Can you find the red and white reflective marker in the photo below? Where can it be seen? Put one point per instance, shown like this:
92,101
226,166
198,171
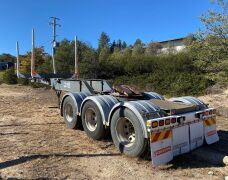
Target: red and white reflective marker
196,135
211,135
181,140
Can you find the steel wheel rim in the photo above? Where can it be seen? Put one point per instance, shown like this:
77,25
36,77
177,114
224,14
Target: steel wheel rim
91,119
69,112
125,131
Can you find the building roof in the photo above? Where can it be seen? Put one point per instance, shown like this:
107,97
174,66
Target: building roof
172,40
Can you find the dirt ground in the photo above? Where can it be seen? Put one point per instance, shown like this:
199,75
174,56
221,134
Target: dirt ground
35,144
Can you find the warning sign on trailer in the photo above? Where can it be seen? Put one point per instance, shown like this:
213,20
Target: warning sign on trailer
161,147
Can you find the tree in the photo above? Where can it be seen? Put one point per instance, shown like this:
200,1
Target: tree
138,48
210,49
40,55
124,45
138,41
65,55
104,54
153,48
128,51
112,47
103,41
7,58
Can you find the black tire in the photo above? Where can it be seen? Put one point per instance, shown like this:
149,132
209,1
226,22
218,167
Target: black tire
92,121
70,113
138,146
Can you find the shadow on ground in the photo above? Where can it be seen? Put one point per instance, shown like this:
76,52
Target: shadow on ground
206,156
24,159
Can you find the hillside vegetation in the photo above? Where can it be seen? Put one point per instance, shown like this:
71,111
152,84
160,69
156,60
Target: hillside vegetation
203,63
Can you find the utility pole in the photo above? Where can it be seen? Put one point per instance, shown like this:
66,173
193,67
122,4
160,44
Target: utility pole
33,56
17,65
76,71
54,24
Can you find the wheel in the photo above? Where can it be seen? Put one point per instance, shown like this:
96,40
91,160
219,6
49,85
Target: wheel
70,113
92,121
127,133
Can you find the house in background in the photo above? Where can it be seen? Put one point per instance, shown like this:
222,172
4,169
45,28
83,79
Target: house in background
6,65
172,45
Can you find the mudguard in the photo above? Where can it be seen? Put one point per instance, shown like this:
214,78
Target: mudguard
161,147
210,133
153,95
190,100
105,103
196,134
77,98
181,143
143,109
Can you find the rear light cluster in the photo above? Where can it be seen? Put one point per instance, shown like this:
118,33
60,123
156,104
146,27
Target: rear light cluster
206,113
165,121
209,112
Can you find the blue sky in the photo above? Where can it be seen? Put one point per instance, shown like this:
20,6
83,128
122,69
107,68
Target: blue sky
127,20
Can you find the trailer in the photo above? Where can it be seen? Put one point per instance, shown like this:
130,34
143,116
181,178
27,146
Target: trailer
138,121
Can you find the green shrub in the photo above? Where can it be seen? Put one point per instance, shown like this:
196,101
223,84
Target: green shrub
177,84
23,81
1,78
9,76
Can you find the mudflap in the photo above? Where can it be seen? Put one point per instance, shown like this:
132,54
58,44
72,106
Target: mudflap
210,132
161,147
196,135
181,140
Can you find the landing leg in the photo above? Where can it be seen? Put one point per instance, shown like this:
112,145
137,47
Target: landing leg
58,93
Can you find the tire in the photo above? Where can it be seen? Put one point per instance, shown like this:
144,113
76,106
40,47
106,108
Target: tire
92,121
128,141
70,113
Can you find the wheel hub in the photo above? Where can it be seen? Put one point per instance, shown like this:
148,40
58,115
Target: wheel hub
125,131
91,119
69,112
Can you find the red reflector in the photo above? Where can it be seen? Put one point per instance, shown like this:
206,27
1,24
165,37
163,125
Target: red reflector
161,123
214,111
210,112
167,121
173,120
154,124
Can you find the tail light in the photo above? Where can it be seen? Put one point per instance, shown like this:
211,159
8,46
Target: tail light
154,124
167,121
206,113
161,123
211,112
173,120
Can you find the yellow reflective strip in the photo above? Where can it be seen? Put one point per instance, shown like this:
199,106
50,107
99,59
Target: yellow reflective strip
154,136
213,120
161,136
206,123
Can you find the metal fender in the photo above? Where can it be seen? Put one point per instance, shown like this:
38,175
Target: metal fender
77,98
143,110
104,102
189,100
210,133
153,95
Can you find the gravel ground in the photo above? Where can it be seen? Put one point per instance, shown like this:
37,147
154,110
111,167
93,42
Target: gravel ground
35,144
